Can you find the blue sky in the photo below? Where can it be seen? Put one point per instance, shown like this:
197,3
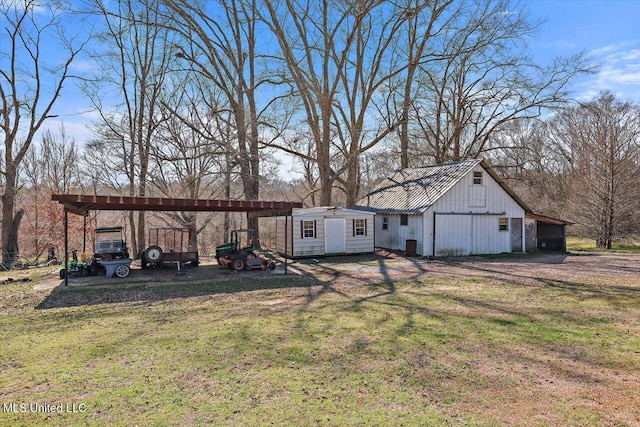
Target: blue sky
608,30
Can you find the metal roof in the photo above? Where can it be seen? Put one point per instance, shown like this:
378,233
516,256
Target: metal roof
81,204
322,209
414,190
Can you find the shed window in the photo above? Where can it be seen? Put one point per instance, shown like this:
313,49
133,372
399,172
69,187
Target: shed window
404,219
359,227
308,229
385,222
477,178
503,224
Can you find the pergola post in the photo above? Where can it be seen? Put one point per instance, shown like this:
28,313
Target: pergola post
66,247
286,239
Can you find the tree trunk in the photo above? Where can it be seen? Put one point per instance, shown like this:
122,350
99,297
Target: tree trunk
9,233
12,244
353,183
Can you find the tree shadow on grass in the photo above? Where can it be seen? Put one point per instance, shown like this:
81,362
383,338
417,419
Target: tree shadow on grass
74,296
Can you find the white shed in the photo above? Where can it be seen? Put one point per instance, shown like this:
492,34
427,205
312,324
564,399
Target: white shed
325,231
458,208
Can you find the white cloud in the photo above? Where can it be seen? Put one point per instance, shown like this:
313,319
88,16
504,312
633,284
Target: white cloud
619,72
83,66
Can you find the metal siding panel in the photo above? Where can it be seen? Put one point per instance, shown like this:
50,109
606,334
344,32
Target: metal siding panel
387,238
453,235
280,235
427,233
308,246
488,239
360,244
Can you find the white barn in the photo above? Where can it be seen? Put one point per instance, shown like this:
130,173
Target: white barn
325,231
451,209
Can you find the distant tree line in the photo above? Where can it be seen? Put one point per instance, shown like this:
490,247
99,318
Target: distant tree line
206,98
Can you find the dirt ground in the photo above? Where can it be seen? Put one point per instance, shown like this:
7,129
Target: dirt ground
543,377
385,266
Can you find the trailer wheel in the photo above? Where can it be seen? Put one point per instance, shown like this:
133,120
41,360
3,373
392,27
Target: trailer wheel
63,273
153,254
239,264
122,271
272,266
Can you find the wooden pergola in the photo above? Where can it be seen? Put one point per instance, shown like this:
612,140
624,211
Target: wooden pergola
82,204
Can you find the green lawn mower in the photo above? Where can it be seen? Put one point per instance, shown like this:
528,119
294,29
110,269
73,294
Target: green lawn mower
227,250
75,266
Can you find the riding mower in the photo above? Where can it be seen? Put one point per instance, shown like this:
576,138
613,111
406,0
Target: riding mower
75,266
247,261
233,247
237,258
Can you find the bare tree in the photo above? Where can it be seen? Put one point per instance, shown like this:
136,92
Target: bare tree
30,87
134,62
422,25
599,142
307,33
375,62
340,58
222,48
50,167
187,159
485,79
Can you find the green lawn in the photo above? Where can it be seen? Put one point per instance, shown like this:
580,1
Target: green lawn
263,350
584,244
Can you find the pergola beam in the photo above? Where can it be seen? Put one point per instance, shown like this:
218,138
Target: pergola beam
82,204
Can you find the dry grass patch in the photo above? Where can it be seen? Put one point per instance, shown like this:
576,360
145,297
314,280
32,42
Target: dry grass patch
470,342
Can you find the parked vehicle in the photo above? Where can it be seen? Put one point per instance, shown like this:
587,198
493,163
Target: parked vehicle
75,266
235,245
248,261
237,257
108,244
169,246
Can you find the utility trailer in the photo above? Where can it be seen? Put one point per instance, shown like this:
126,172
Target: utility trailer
169,246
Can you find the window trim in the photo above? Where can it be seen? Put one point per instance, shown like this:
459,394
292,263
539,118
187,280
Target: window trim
404,220
477,177
385,222
503,226
305,226
360,230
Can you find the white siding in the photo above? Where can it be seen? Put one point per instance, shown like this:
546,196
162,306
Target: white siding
467,234
453,235
360,244
309,247
395,236
280,235
479,227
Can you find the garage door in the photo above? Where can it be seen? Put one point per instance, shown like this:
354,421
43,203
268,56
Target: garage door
467,234
453,235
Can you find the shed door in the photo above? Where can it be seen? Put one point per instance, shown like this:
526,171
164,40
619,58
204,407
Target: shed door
454,235
516,234
334,236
